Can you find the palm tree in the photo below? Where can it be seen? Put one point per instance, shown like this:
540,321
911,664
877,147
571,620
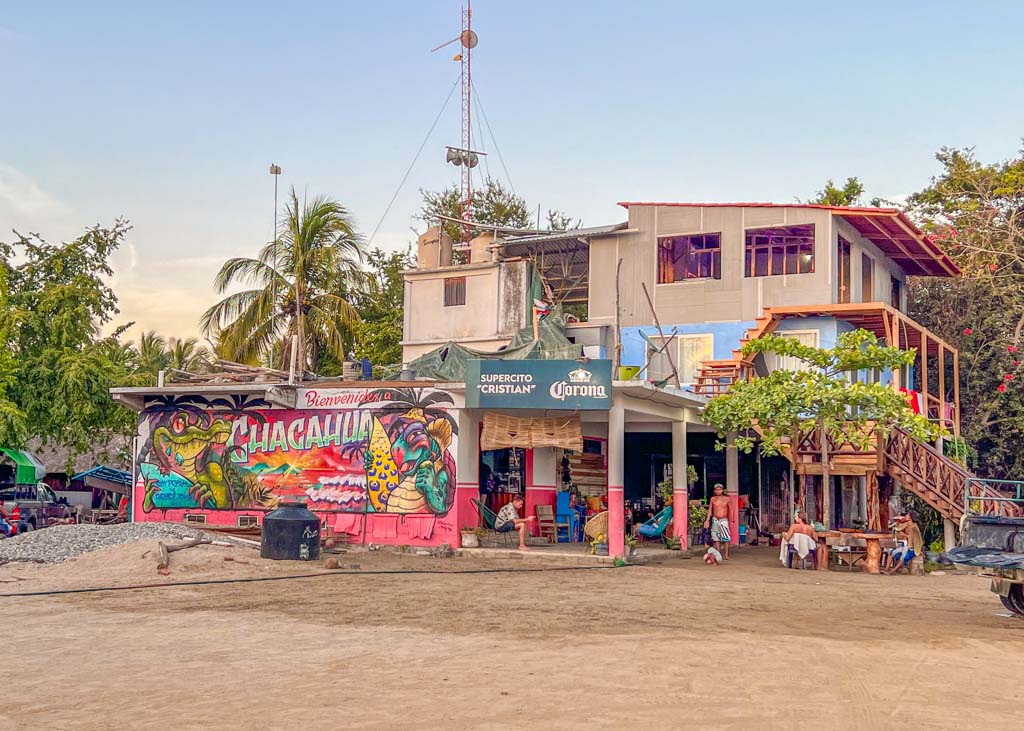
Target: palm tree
152,354
186,354
315,260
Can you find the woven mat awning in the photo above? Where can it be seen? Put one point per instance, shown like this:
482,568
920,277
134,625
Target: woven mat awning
502,431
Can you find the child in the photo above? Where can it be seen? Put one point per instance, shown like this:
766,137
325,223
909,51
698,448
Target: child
713,557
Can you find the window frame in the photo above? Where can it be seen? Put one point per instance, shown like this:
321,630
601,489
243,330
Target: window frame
844,278
777,251
690,254
453,291
781,361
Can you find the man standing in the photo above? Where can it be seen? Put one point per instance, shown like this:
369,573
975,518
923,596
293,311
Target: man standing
718,520
508,520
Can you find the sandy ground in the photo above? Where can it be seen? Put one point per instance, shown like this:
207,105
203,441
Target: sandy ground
676,645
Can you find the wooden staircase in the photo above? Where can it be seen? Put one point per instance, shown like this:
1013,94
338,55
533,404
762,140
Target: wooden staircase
717,376
940,481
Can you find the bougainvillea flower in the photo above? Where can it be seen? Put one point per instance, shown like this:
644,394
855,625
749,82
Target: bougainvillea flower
1008,377
1011,348
1016,364
992,267
1002,388
967,331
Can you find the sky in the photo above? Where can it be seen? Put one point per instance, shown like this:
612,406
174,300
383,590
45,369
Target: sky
169,114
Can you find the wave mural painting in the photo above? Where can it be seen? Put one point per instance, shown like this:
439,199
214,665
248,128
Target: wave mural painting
393,453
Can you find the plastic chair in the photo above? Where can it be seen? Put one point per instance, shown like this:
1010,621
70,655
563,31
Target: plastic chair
567,519
654,529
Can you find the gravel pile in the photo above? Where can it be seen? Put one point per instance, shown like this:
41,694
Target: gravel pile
61,542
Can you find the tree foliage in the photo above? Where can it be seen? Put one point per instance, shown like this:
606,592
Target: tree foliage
785,405
832,195
55,372
378,334
302,285
975,212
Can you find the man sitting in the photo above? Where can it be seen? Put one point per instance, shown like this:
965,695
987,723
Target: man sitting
909,535
508,520
801,536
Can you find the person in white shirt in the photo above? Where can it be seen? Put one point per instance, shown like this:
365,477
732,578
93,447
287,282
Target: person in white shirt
508,520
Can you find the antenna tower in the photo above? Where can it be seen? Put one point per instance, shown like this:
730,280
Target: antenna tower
468,38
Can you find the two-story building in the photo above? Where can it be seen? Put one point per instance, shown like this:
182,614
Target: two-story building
675,291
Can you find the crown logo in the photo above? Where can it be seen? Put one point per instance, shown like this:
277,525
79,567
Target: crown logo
579,376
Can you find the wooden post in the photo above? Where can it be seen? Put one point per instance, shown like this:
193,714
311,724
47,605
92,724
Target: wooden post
956,392
826,477
874,512
942,381
924,372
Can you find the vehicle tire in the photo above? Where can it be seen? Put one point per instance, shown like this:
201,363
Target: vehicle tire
25,528
1016,599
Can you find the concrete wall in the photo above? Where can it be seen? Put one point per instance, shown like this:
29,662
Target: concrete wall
734,296
494,309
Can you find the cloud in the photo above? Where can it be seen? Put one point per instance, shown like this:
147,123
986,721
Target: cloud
24,201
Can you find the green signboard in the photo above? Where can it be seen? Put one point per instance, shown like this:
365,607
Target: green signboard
569,385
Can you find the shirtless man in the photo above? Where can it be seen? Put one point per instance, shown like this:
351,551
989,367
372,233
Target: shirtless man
718,520
800,525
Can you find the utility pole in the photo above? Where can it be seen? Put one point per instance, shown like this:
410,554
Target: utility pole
275,170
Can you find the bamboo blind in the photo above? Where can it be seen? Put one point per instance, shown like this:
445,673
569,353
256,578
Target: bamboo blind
502,431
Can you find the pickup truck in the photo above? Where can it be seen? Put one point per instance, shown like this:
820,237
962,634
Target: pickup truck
993,546
28,507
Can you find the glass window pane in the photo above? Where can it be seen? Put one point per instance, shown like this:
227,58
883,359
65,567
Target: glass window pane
761,262
778,259
806,258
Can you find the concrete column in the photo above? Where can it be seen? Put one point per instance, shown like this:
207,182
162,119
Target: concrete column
732,485
541,482
616,481
948,533
467,471
680,491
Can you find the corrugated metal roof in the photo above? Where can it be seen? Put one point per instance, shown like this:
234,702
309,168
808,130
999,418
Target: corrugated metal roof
109,474
570,235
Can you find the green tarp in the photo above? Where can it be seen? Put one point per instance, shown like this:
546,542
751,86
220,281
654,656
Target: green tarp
28,469
448,362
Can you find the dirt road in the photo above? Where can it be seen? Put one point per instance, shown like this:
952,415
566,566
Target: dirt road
679,645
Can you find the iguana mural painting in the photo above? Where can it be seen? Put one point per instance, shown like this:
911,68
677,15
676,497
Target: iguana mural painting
393,454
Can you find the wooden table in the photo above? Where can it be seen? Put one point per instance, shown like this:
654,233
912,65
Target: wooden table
822,552
873,559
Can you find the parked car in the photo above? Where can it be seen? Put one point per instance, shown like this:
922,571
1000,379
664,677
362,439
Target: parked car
993,546
28,507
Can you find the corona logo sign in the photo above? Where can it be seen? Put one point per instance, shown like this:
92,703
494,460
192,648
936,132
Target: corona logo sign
578,386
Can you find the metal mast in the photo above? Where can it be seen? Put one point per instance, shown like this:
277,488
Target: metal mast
468,41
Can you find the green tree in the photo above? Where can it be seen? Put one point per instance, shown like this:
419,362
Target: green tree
302,287
58,370
12,418
831,195
975,212
378,334
788,404
493,204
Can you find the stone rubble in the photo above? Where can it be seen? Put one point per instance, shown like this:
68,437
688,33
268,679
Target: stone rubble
58,543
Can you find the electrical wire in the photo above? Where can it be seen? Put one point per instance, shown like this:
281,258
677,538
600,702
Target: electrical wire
252,580
494,140
413,163
483,147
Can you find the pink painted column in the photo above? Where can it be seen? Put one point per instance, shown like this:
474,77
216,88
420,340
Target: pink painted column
467,472
680,491
732,487
616,482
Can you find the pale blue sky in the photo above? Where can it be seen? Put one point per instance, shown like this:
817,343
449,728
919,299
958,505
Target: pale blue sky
169,114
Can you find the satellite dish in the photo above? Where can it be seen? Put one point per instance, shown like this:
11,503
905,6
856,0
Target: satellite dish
469,38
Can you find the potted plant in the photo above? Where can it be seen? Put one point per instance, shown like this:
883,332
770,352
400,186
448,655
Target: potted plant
470,537
665,487
698,514
631,544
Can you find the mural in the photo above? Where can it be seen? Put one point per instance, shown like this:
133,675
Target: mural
392,452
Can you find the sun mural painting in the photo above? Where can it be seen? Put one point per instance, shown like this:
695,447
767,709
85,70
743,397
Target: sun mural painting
392,453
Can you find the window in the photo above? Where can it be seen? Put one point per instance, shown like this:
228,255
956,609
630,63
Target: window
787,362
688,353
844,270
867,278
783,250
689,257
247,521
897,293
195,518
454,291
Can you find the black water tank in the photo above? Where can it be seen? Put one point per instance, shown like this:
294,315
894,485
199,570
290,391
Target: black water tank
291,533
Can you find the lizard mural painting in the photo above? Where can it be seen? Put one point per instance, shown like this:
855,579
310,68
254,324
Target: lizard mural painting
391,453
